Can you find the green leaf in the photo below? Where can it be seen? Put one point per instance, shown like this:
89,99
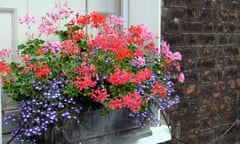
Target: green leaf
70,91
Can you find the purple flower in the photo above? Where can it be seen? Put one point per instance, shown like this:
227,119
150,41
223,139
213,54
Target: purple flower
43,111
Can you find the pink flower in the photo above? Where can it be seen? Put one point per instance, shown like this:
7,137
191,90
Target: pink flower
116,103
55,5
116,20
177,56
169,54
99,95
133,101
181,77
147,34
177,66
27,57
53,16
86,76
119,77
166,51
70,48
142,75
139,61
174,56
164,47
84,82
5,53
66,3
27,19
53,46
47,27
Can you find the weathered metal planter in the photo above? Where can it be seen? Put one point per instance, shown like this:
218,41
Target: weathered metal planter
94,128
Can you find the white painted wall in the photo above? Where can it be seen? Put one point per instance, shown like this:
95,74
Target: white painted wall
105,6
6,29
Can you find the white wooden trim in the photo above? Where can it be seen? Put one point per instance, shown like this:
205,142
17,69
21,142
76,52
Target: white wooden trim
160,24
125,11
14,32
86,6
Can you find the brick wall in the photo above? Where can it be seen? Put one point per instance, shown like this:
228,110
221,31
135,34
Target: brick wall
207,32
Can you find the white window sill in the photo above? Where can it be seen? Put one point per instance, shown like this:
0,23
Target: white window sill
159,135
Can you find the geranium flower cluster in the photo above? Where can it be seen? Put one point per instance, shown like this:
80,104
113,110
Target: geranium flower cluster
112,68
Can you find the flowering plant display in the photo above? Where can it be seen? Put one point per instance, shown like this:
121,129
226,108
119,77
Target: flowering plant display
95,64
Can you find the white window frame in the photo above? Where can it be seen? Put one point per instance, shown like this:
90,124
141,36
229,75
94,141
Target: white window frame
13,12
